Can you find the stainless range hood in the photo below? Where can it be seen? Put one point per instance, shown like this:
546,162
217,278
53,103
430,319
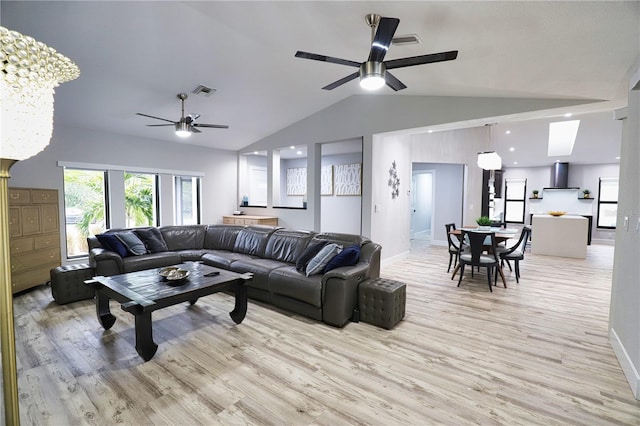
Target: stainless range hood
560,175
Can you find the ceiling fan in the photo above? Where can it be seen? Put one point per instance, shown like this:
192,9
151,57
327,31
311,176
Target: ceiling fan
186,125
373,72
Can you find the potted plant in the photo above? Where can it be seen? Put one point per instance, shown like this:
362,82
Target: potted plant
535,193
586,193
484,223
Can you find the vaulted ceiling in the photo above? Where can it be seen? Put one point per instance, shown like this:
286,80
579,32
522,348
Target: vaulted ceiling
136,56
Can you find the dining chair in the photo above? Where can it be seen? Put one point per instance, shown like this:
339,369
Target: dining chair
476,255
515,252
454,245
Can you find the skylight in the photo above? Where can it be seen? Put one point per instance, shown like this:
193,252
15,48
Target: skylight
562,136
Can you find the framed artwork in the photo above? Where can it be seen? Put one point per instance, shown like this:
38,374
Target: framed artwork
326,180
348,179
297,181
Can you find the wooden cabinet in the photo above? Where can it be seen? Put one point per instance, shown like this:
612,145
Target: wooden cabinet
250,220
34,236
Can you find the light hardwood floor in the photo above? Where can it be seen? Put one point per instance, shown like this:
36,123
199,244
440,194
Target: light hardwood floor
536,353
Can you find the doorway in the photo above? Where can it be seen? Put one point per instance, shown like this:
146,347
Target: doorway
422,189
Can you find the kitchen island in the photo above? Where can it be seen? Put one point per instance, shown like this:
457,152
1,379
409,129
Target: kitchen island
564,236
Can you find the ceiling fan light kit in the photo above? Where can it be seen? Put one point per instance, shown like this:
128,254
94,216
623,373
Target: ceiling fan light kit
373,72
372,75
186,125
183,129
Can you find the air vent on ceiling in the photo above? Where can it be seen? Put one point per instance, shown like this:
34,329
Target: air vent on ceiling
406,39
204,90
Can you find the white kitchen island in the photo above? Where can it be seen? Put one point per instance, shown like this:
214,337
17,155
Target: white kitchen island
564,236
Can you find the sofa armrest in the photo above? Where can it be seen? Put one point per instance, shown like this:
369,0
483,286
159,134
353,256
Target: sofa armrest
340,292
105,262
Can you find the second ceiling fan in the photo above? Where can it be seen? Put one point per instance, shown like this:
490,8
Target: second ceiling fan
373,72
186,124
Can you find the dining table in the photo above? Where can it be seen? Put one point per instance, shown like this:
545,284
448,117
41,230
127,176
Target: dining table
502,235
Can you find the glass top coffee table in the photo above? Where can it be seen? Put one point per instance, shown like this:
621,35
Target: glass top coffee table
143,292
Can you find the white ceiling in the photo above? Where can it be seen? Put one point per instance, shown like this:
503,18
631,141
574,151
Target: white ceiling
136,56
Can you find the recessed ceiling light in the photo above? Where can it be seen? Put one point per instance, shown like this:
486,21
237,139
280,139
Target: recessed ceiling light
292,147
299,152
617,158
508,132
512,149
256,152
429,131
515,162
568,115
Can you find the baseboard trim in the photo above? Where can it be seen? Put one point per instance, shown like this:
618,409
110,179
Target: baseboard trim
393,259
630,371
439,243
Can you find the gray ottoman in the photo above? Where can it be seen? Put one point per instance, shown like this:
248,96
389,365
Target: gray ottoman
382,302
67,283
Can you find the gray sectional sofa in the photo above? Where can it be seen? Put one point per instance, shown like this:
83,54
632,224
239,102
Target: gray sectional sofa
270,253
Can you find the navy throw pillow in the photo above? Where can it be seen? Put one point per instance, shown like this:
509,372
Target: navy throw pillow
111,242
134,244
152,239
347,257
309,253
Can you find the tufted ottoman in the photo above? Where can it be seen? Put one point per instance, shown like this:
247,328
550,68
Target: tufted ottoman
67,283
381,302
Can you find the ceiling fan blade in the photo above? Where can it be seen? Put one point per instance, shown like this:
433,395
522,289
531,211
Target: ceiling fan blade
157,118
342,81
160,125
422,59
194,130
322,58
382,40
393,82
212,126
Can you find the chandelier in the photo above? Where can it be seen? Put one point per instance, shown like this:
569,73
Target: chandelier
29,72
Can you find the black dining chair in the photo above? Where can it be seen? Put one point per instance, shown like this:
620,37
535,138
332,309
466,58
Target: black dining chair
476,256
515,252
454,245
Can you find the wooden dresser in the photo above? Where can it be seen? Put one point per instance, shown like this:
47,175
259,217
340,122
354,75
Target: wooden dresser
34,236
245,219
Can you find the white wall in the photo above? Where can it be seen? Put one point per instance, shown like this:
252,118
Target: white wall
624,314
68,144
391,217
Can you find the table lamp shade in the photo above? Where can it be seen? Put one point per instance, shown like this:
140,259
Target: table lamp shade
29,72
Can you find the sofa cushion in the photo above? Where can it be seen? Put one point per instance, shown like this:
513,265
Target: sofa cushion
260,269
183,237
132,242
347,257
252,241
309,253
150,261
152,239
320,260
190,255
291,283
344,240
221,237
223,259
287,246
111,242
